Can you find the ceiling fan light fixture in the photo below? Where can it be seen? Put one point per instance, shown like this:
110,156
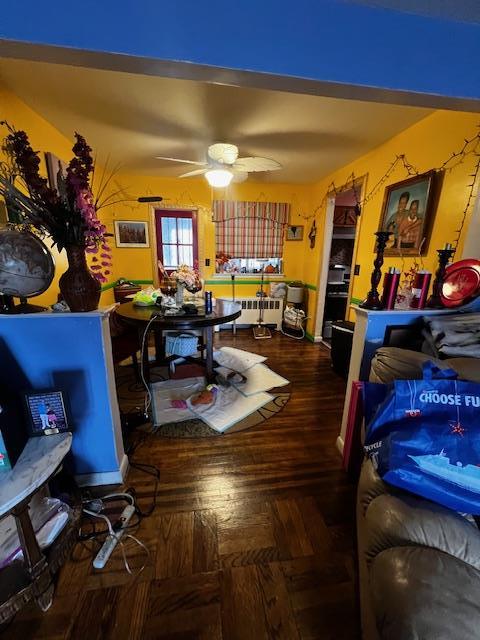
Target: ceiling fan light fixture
219,177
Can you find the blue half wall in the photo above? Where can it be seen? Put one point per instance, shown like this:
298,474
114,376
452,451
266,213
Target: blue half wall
70,352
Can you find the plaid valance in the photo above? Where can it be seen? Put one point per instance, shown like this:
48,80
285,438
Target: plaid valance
250,229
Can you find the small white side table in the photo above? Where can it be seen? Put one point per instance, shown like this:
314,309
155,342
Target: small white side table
21,582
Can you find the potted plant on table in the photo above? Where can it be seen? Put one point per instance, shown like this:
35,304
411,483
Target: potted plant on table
67,214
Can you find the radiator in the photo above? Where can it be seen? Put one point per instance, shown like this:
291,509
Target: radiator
272,310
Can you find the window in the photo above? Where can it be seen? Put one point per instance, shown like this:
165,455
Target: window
249,265
177,240
249,235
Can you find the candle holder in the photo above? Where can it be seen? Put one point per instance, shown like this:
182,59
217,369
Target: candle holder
435,300
372,301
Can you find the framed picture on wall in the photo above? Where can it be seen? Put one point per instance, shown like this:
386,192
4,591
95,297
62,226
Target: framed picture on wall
408,211
295,232
131,234
56,170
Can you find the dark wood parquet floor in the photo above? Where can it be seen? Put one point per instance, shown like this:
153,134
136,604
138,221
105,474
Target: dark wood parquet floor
252,538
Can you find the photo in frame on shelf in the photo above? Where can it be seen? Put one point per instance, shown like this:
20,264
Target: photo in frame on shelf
408,211
131,234
46,413
295,232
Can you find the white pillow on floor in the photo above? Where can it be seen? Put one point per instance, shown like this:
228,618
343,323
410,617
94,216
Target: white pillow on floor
237,359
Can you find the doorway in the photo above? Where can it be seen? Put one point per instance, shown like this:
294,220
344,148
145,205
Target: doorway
337,270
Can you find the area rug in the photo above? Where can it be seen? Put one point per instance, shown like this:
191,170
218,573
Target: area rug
131,395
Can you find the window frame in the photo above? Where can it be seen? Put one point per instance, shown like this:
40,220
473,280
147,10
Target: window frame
189,214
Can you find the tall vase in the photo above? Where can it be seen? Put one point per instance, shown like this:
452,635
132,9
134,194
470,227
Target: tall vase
180,294
79,288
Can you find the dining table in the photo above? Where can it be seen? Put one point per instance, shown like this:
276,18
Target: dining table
160,319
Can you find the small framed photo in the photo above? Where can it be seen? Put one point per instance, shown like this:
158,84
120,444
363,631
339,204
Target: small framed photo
131,234
46,413
295,232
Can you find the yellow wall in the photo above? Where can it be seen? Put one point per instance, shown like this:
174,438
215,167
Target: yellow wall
43,137
426,145
137,264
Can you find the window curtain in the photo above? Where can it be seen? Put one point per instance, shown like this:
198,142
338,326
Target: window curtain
250,229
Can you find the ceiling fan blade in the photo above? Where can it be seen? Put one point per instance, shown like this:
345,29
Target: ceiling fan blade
239,176
200,164
195,172
256,163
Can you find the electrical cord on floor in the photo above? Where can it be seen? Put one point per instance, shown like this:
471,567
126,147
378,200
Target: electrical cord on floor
92,507
112,534
129,494
148,397
300,328
151,470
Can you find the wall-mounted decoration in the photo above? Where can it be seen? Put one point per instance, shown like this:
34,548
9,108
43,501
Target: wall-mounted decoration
408,211
56,170
295,232
313,234
131,234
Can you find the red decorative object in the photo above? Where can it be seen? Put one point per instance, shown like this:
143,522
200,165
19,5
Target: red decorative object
352,446
391,281
461,283
420,288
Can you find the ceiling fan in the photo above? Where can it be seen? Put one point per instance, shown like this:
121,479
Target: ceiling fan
223,165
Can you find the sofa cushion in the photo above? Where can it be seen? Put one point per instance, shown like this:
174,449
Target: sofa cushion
393,363
393,521
423,594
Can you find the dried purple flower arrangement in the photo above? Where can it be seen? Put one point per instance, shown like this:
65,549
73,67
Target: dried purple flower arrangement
68,215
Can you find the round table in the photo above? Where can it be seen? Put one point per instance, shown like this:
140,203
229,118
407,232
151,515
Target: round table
140,316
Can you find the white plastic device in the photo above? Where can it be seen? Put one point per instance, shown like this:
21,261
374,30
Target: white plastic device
111,542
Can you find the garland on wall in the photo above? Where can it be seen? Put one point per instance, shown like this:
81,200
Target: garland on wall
183,201
470,147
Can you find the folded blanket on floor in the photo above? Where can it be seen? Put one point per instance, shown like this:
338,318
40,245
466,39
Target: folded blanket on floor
230,407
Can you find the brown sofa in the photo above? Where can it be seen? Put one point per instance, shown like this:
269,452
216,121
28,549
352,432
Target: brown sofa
419,563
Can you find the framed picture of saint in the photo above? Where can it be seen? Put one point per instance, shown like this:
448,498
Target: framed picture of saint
408,211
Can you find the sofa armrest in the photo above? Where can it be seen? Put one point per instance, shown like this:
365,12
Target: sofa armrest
423,594
394,521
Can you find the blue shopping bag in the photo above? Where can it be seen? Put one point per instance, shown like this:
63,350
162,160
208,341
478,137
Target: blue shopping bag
424,436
